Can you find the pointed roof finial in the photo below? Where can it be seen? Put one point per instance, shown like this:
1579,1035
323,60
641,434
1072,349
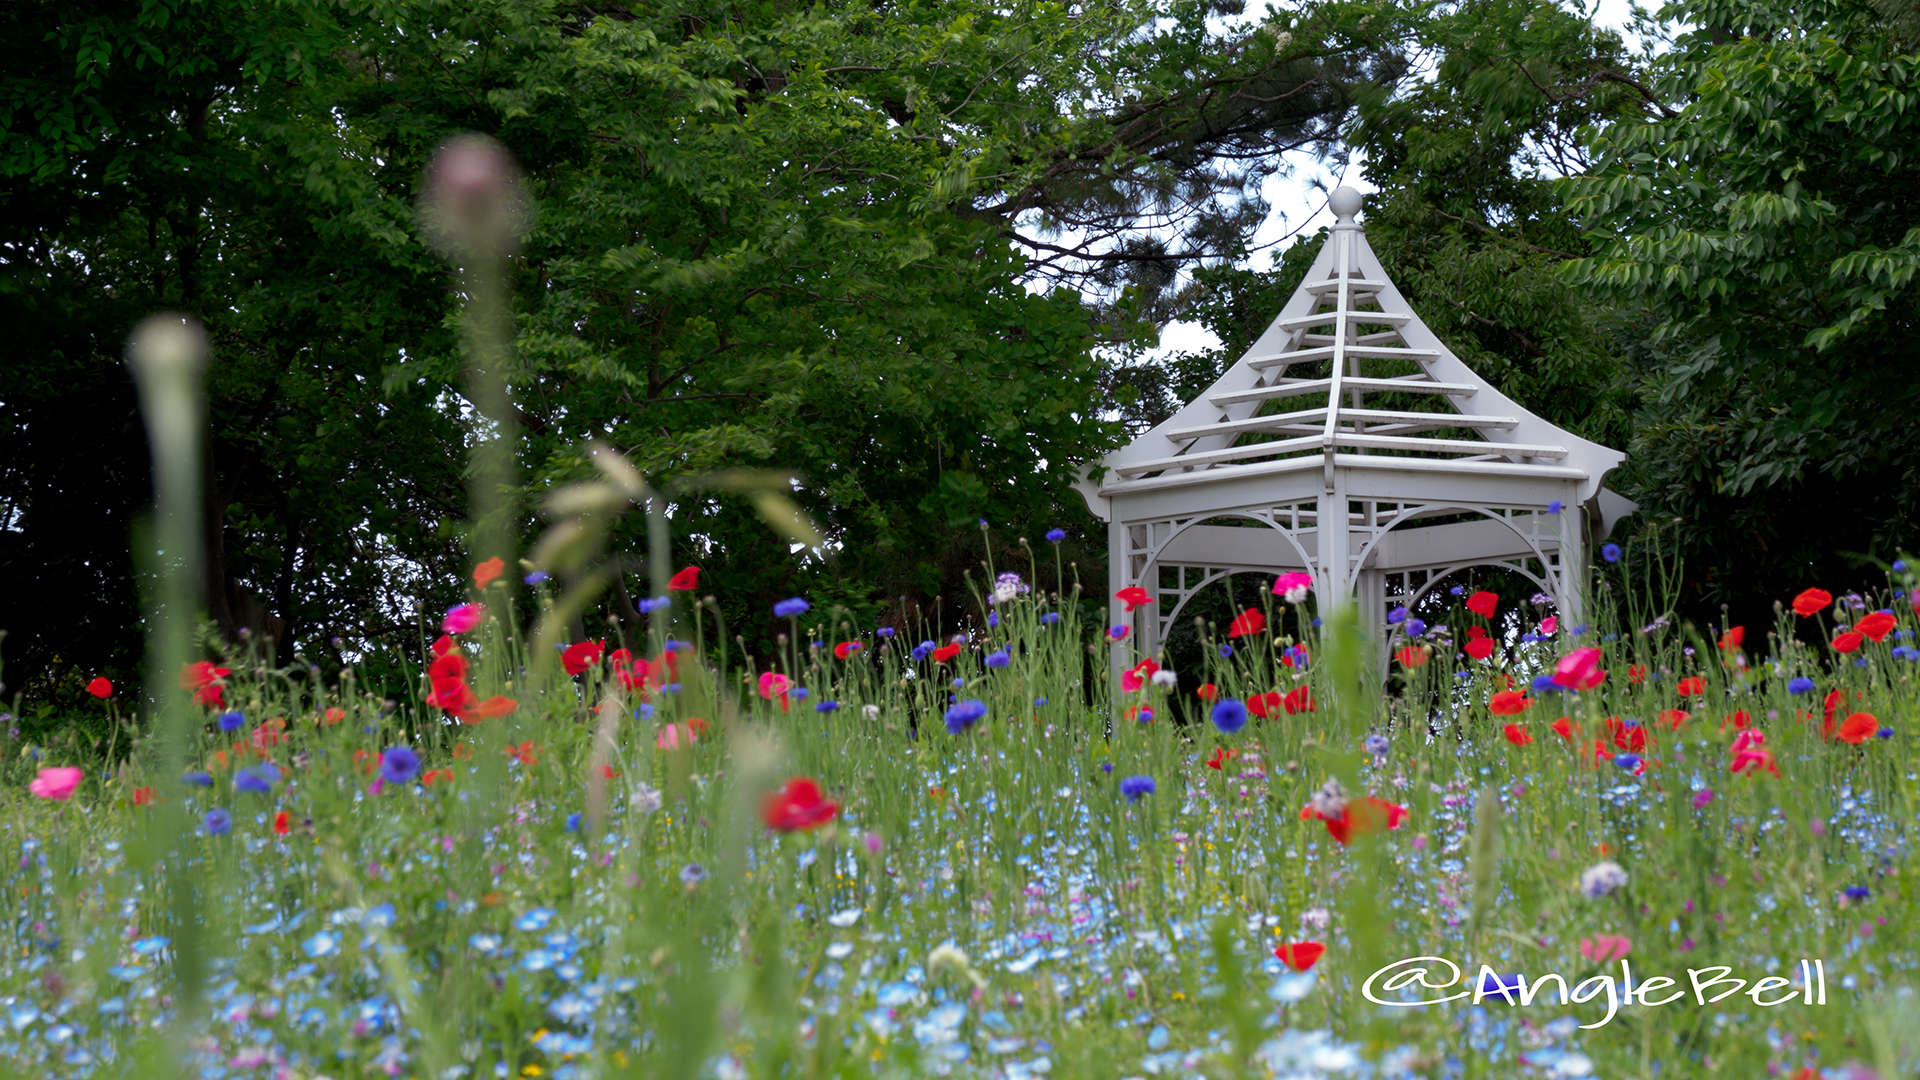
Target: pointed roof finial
1345,204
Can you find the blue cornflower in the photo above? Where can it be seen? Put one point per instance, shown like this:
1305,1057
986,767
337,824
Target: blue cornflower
1106,767
885,631
1054,536
1116,632
1858,892
1885,733
1800,684
1050,618
1316,622
957,683
232,720
787,609
1144,716
1457,590
573,822
1397,615
921,650
798,693
993,618
648,607
1226,652
1544,684
1899,566
998,658
826,707
1415,628
249,780
1136,787
198,779
1375,745
399,764
1553,507
1628,762
1039,701
1580,631
965,715
535,578
218,822
693,873
1610,552
1904,652
644,712
1229,715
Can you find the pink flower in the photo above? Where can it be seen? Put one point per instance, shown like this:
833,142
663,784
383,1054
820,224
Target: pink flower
1293,587
1579,669
1601,948
55,783
463,618
772,684
1549,624
671,736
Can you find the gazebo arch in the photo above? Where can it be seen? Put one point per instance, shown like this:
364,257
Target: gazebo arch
1378,460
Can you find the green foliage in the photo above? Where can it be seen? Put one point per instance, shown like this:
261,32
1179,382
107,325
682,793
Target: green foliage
1766,223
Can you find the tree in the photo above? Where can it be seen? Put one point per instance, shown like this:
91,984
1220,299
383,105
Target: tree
1766,221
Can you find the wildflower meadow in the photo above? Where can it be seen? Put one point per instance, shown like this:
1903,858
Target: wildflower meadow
964,850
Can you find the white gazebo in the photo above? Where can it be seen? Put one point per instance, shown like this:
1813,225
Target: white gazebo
1349,443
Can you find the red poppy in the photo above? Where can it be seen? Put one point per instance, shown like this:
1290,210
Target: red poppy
1503,680
1483,604
434,776
1834,698
487,571
1636,673
490,708
333,715
1811,601
1207,692
282,825
1359,818
686,580
1847,642
1563,727
1133,596
946,652
1740,719
142,796
526,753
1480,648
1633,739
846,649
1875,626
1691,686
1673,718
798,805
1475,633
1859,728
1264,705
450,665
1221,755
1517,734
1297,700
453,695
1250,621
461,751
609,772
1508,703
581,655
1300,955
270,734
1413,657
207,683
100,688
1294,657
1733,638
628,670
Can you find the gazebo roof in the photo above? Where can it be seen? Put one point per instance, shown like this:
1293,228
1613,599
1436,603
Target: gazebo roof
1348,377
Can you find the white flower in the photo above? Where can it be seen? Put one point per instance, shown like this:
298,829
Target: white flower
872,712
1315,919
1007,587
948,957
1165,678
1602,878
645,798
1330,800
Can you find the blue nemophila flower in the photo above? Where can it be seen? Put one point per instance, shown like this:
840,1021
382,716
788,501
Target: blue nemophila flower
1397,615
535,578
1054,536
1553,507
232,720
1800,684
998,658
1226,652
198,779
1505,987
1136,787
252,780
1610,552
1050,618
218,822
921,650
965,715
1229,715
788,609
399,764
1376,745
885,631
826,706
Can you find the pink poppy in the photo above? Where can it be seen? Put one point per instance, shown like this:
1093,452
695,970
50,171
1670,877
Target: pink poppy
463,618
56,783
